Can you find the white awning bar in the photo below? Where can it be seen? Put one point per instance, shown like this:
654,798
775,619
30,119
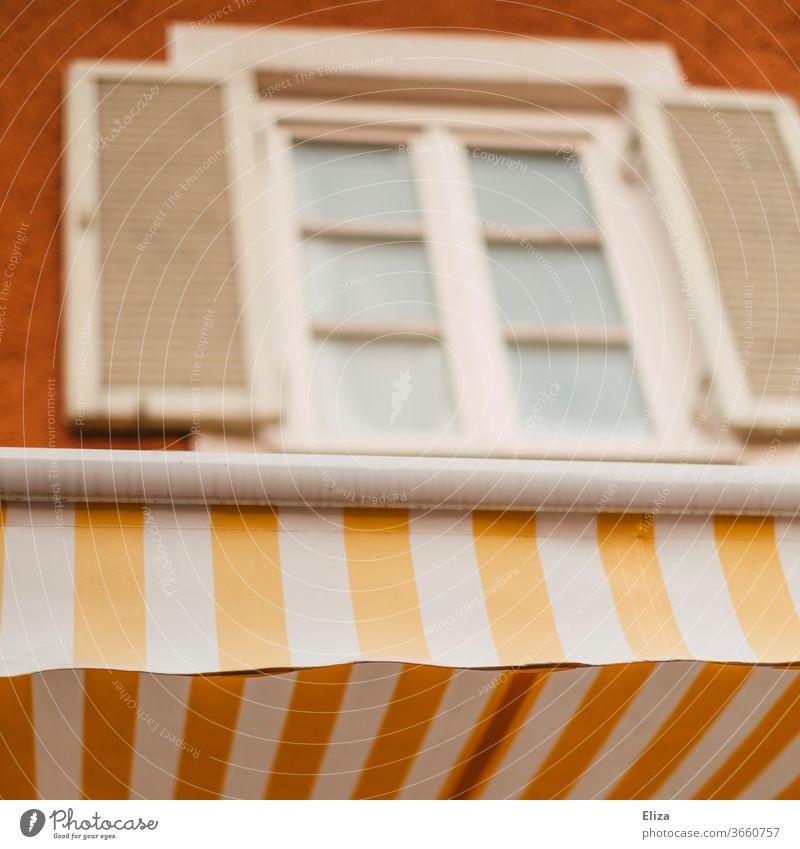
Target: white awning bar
40,474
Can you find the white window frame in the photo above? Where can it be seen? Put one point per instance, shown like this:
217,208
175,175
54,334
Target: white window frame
307,53
601,141
553,68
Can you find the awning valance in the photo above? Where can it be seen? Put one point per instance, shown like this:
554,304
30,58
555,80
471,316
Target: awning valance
381,730
190,589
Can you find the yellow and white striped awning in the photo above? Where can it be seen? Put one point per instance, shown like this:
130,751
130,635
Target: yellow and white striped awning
184,589
160,648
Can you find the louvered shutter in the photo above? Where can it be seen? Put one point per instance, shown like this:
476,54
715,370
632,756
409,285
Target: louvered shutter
159,329
723,168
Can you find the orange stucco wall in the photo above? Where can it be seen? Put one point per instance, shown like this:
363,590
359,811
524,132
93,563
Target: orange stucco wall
720,42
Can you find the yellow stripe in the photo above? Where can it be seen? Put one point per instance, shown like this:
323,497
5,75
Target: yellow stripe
505,713
777,728
601,709
17,757
382,583
316,699
251,625
211,717
763,603
415,701
109,586
514,589
701,704
628,552
110,701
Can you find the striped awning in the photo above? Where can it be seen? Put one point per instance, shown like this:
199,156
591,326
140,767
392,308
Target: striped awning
184,589
387,730
216,651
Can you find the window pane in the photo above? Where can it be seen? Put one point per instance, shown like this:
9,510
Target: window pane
553,285
586,391
385,384
349,181
367,281
529,189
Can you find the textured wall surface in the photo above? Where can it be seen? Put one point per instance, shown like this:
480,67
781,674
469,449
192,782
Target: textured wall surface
719,42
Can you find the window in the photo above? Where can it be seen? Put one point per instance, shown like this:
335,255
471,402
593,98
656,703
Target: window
453,284
355,274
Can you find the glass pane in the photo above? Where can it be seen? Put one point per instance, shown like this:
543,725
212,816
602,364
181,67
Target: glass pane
367,281
553,285
382,385
350,181
586,391
529,189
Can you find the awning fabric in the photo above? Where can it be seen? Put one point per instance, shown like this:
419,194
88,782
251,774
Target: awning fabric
179,589
201,652
639,730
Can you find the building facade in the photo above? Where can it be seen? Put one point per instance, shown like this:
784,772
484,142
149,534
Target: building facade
469,332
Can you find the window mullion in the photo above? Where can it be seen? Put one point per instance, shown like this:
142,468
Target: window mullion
472,333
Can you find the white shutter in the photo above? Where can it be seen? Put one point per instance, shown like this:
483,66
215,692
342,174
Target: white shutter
724,169
162,272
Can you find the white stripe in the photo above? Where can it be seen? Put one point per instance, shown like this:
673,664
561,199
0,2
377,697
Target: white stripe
697,590
754,698
58,719
552,710
368,694
450,592
38,588
581,600
316,588
642,720
265,702
787,537
460,710
160,718
778,775
179,587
